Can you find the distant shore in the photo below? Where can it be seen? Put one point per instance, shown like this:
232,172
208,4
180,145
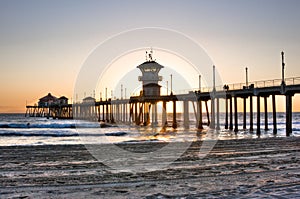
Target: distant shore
240,168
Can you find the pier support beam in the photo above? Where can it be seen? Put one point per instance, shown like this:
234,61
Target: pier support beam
274,115
199,112
244,114
116,110
231,116
146,114
174,124
186,114
288,115
112,118
136,117
103,113
124,112
218,114
251,113
107,113
266,112
164,114
213,111
258,116
99,114
154,114
226,113
207,114
236,129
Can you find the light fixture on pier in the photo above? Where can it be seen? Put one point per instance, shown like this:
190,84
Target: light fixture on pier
283,66
246,76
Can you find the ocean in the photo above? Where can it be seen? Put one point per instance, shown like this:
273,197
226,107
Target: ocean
16,129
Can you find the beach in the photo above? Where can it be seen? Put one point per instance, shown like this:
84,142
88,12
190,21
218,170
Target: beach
240,168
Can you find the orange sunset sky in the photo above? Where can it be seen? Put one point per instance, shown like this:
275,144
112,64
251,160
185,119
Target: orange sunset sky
43,44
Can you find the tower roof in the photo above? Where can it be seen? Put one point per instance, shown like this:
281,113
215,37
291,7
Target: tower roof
150,64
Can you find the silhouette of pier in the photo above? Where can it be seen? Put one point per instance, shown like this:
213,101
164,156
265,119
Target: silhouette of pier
143,109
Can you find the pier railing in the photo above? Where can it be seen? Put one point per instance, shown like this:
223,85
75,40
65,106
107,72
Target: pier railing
238,86
266,83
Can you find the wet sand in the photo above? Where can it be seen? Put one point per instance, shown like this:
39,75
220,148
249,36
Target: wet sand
249,168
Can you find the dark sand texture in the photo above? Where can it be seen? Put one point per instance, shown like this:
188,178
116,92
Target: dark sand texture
249,168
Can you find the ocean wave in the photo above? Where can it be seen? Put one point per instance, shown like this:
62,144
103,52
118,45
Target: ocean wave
31,134
58,134
116,134
52,125
29,125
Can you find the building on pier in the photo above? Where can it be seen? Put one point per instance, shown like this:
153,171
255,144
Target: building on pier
50,100
89,100
47,100
150,77
62,100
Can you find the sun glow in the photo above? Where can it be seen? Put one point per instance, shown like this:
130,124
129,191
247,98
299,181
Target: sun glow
123,71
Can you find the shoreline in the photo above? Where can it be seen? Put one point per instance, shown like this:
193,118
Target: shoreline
240,168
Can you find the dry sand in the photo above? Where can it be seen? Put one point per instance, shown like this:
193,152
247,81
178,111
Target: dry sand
249,168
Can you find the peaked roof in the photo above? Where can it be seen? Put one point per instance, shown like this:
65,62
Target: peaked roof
63,98
48,97
88,99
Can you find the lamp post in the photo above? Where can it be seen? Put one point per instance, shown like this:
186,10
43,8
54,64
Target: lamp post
200,83
214,78
121,91
283,65
246,76
167,87
171,84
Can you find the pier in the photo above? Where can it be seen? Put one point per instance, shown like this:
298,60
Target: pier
143,109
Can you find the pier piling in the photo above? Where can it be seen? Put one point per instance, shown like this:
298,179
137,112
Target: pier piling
218,114
288,114
174,123
199,112
266,112
186,114
274,115
244,114
258,116
226,113
236,129
164,114
251,112
231,116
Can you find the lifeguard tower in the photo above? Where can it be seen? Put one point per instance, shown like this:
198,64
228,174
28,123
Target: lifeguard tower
150,78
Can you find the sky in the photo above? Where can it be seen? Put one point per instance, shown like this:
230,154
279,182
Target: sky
44,44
